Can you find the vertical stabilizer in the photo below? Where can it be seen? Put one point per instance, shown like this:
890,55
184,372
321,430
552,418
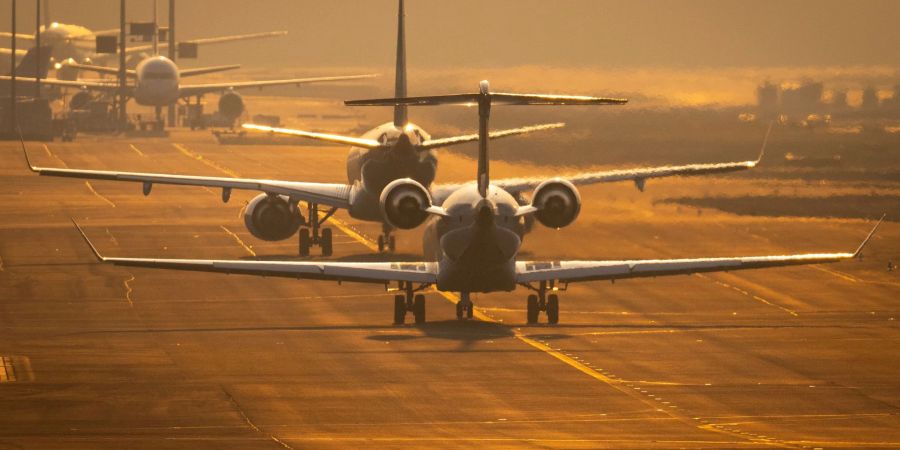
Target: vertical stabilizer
155,30
45,13
400,111
33,67
484,116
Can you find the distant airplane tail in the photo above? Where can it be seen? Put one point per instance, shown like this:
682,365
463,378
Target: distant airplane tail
401,116
30,67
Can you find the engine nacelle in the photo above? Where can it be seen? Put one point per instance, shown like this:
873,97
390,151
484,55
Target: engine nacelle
272,217
558,203
403,203
231,105
80,100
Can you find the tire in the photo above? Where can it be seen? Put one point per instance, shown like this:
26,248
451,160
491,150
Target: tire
304,242
325,242
419,308
552,309
392,244
532,309
381,244
399,309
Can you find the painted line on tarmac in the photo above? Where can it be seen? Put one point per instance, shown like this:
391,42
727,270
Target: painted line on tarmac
748,294
250,422
841,275
193,155
129,290
100,196
238,239
137,150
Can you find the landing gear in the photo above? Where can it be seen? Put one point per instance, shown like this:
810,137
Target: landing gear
315,235
464,308
542,302
386,241
410,301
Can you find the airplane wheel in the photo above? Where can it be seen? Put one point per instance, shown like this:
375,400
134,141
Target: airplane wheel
392,244
399,309
552,309
325,243
419,308
305,242
380,243
532,309
459,310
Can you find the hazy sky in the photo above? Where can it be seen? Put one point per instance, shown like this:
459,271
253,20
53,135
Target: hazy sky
502,33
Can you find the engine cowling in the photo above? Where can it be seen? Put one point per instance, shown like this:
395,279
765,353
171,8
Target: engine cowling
403,203
231,105
558,203
272,217
80,100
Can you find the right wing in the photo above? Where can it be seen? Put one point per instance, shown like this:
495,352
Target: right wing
331,194
200,89
574,271
205,70
377,272
8,51
212,40
78,84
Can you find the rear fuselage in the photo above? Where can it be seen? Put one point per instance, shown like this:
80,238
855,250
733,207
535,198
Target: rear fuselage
372,169
477,243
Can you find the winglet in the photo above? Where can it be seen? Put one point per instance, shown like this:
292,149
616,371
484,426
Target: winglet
866,241
25,151
89,243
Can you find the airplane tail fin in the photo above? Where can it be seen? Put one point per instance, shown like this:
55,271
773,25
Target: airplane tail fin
30,67
401,116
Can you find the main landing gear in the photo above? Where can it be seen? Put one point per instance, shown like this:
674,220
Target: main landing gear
386,241
464,307
542,302
314,234
410,301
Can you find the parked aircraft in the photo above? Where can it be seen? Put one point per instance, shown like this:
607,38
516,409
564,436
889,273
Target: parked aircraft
478,243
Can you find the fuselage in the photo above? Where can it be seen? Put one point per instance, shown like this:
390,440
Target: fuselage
476,244
370,170
68,41
156,82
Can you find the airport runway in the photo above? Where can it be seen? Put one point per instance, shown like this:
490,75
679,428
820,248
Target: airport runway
98,356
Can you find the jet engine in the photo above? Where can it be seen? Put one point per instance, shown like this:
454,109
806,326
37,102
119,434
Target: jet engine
272,217
403,203
558,203
80,100
231,105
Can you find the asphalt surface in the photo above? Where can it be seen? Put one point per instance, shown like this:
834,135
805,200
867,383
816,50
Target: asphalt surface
97,356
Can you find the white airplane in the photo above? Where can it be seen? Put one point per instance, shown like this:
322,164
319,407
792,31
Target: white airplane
478,243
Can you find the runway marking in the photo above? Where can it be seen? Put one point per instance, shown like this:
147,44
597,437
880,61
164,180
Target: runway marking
101,197
137,150
238,240
129,290
184,150
748,294
57,158
112,238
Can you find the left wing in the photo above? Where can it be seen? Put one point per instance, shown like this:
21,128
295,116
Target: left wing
8,51
380,272
573,271
446,142
78,84
200,89
194,71
212,40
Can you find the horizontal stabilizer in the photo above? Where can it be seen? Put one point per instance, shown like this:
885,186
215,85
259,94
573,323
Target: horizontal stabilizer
495,99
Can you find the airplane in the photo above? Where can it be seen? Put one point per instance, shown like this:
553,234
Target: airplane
478,241
391,151
157,81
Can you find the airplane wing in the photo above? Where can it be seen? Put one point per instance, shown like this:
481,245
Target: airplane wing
78,84
205,70
331,194
212,40
200,89
100,69
638,175
574,271
19,36
377,272
8,51
334,138
446,142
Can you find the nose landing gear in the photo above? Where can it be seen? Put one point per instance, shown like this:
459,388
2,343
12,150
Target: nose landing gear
464,307
410,301
386,241
542,302
315,234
